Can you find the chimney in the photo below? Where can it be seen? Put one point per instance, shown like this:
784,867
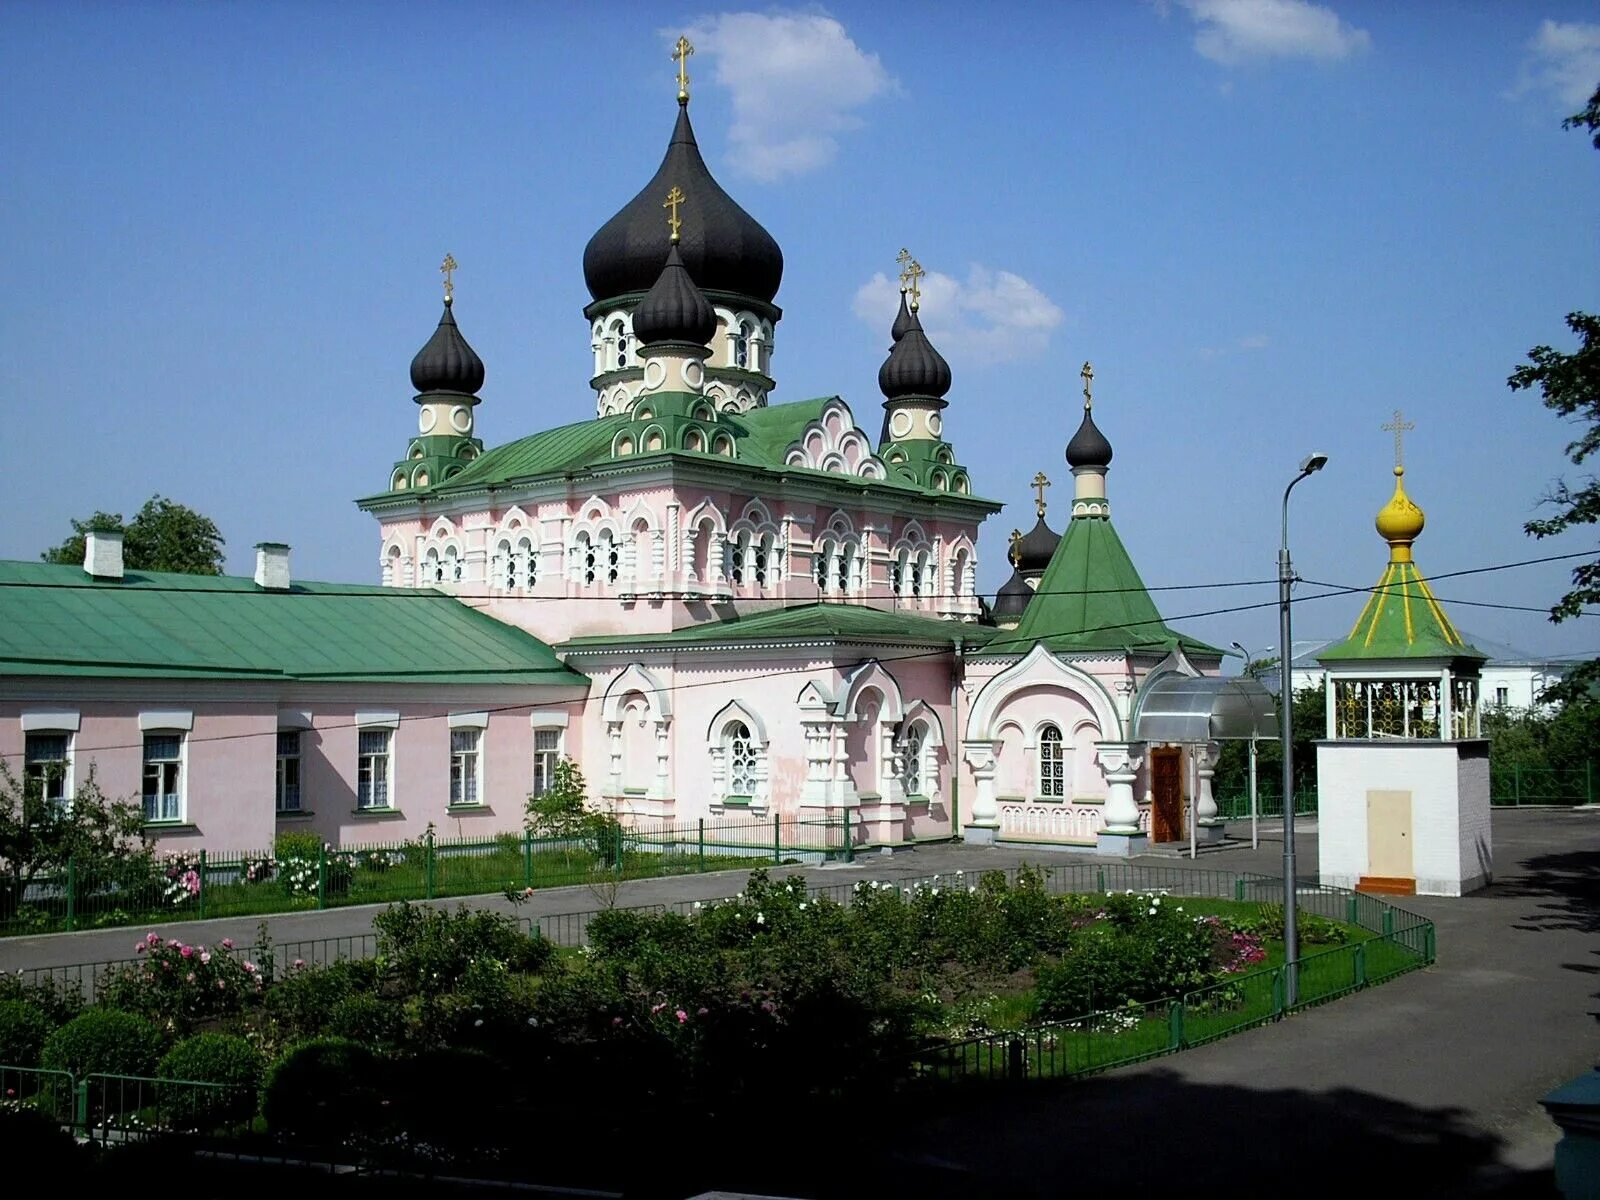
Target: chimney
272,566
102,553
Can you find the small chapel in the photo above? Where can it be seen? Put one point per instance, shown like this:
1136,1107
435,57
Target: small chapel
718,601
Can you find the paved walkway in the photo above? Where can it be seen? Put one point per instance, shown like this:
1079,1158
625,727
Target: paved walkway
1430,1081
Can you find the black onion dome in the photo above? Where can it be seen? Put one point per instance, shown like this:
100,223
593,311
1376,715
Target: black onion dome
447,363
722,245
674,310
902,320
1037,547
914,367
1011,599
1088,447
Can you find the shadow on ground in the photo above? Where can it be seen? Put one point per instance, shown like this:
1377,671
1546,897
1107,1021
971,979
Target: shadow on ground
1148,1132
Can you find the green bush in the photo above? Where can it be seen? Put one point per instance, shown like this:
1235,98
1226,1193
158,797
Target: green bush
23,1029
59,1000
220,1058
365,1018
1143,950
104,1041
325,1088
428,950
303,1001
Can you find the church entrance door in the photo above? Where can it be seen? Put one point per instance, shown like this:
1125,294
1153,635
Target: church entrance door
1166,794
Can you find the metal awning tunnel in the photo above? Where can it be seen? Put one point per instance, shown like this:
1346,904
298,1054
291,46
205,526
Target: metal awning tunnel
1196,710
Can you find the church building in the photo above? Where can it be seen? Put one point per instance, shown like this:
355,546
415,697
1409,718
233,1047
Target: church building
720,603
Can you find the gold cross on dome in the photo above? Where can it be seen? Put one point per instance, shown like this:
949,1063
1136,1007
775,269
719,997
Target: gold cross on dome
1016,548
680,55
1087,375
1039,485
1399,427
448,268
911,274
674,198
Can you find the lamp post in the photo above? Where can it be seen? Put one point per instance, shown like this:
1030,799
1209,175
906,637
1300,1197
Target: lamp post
1291,932
1255,832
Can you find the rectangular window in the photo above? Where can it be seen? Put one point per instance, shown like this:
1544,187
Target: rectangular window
1502,696
372,772
464,766
45,766
288,770
163,777
546,753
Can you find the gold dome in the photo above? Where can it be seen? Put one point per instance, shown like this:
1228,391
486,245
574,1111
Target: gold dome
1400,521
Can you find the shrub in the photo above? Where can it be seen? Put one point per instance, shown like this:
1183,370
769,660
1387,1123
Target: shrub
211,1058
429,949
178,984
303,1001
104,1041
301,857
366,1018
325,1088
59,1000
23,1029
1143,950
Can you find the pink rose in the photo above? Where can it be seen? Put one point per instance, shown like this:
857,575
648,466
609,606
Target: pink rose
227,943
251,967
173,944
138,947
616,1021
151,940
655,1008
205,958
187,951
299,962
681,1015
222,985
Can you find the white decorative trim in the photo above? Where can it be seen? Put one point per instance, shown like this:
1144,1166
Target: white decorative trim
294,718
427,419
378,720
171,719
43,720
548,720
655,374
469,720
461,419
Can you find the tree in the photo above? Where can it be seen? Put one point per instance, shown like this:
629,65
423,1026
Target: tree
1570,384
163,536
102,838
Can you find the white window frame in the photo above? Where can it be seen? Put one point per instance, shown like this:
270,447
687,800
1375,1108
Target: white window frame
466,777
373,722
1041,782
546,723
179,764
280,758
753,752
69,737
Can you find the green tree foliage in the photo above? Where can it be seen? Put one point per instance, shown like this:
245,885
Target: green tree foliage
163,536
1570,384
103,838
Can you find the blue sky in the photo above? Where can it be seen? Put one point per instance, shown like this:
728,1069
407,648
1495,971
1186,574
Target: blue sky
1269,223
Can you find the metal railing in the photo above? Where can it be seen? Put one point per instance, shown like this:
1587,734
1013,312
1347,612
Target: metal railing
1513,785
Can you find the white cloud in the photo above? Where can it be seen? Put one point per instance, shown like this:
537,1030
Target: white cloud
796,80
1563,59
991,316
1235,31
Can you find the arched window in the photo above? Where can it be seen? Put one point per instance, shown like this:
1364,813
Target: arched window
452,564
846,567
1052,764
761,557
742,756
391,568
919,573
911,758
609,556
503,570
432,568
738,550
620,337
584,551
819,564
527,565
897,574
741,345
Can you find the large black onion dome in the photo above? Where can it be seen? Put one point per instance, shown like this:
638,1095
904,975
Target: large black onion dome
1088,447
1011,599
902,321
1037,547
914,367
674,310
722,245
447,363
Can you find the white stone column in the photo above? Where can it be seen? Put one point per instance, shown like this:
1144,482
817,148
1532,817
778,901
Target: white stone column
1206,802
1121,834
818,765
983,819
614,776
662,788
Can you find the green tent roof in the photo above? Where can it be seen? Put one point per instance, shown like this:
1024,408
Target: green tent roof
1090,597
826,622
761,436
1402,620
56,620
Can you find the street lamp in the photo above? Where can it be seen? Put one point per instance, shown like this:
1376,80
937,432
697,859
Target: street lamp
1291,933
1255,831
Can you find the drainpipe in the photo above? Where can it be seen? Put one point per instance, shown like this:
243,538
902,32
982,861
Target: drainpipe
955,755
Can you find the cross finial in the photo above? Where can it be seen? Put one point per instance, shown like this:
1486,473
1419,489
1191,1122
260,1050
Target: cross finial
1039,485
674,198
680,55
911,274
1087,375
1399,427
448,269
1016,548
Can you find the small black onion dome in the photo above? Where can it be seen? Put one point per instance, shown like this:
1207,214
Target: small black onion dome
447,363
914,367
674,309
1037,547
1088,447
1011,599
902,320
724,246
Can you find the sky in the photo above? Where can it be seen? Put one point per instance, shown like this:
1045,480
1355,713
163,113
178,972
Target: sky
1268,223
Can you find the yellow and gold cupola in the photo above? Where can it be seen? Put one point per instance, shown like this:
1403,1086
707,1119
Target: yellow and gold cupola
1400,521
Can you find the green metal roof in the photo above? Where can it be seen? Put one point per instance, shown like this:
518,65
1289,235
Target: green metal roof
56,620
1090,597
827,622
761,436
1402,620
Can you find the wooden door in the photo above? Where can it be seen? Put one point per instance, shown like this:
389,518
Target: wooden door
1166,795
1389,835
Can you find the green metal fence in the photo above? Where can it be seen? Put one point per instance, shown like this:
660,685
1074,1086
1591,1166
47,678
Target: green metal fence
1512,785
122,1108
208,884
1269,802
